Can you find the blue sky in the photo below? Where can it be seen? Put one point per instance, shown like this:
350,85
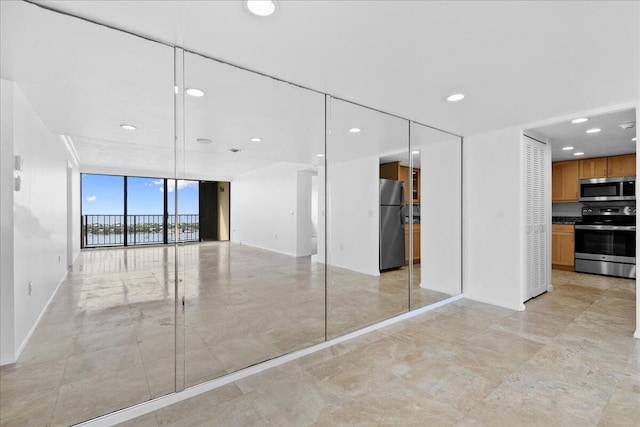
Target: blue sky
103,195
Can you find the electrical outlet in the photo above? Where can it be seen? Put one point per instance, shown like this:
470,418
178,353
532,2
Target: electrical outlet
30,288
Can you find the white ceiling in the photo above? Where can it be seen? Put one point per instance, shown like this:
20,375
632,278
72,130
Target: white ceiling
610,141
518,62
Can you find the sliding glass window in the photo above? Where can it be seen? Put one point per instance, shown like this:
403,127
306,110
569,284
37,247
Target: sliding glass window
103,210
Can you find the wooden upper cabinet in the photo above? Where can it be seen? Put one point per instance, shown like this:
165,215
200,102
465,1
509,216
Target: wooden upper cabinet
396,171
621,165
403,175
593,168
564,181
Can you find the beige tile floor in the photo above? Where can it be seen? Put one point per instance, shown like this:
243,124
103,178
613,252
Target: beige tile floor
107,341
569,359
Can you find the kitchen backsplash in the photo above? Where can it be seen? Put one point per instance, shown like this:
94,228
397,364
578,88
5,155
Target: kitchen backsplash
566,209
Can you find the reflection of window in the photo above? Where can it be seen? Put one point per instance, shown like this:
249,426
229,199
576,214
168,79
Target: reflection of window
145,211
125,211
188,224
102,210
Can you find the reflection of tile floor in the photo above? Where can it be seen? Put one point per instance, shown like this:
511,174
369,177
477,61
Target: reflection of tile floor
107,339
570,359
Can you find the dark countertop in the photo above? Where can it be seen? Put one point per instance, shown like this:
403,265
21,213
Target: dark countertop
565,219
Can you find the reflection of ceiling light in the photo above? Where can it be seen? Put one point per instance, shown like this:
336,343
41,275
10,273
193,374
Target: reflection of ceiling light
319,155
455,97
195,92
261,7
415,152
256,140
580,120
579,153
203,141
128,127
594,130
235,150
355,130
567,148
634,139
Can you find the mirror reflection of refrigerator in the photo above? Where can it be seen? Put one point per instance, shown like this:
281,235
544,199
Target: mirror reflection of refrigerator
391,224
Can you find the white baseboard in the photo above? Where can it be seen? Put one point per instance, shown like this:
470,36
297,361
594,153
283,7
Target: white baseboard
8,361
264,248
517,307
161,402
37,322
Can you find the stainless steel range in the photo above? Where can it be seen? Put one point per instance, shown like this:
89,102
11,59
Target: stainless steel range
605,239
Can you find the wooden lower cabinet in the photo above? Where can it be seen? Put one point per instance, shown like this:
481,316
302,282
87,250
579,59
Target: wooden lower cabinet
562,247
416,244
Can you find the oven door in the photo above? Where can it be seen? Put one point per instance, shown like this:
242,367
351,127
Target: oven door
615,243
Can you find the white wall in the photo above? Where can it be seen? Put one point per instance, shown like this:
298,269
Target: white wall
354,212
7,341
440,222
322,202
264,208
492,226
39,218
304,225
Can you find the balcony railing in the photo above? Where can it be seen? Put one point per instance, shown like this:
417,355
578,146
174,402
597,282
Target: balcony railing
112,230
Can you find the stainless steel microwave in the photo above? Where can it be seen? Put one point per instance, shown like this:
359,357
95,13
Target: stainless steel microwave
607,189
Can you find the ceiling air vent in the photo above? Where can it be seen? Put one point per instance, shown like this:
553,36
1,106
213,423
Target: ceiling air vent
628,125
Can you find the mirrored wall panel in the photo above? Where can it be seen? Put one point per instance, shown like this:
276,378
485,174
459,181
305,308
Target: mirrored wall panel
254,285
91,107
368,202
198,218
436,214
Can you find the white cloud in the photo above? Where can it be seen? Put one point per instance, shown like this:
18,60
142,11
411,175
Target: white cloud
171,185
91,199
181,184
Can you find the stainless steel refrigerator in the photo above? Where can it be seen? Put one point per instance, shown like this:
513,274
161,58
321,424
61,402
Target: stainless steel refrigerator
391,224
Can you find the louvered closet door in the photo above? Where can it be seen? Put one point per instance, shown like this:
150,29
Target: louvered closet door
536,208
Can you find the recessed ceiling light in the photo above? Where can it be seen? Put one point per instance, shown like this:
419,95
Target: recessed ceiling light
256,140
579,153
580,120
128,127
235,150
261,7
567,148
319,155
455,97
415,152
192,91
594,130
203,141
355,130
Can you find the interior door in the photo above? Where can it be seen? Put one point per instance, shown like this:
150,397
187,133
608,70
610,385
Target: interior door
536,214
